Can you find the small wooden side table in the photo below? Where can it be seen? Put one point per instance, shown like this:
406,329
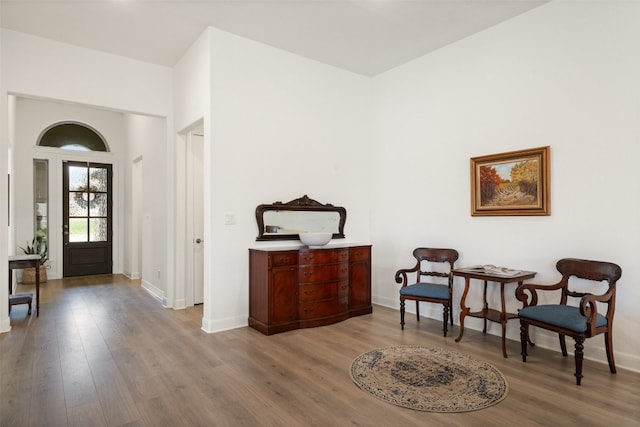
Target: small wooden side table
487,313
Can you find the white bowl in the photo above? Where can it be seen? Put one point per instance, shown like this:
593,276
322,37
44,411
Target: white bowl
315,240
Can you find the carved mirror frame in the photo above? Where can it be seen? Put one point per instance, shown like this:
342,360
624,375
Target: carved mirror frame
303,204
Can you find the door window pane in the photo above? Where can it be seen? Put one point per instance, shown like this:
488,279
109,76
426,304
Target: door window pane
77,178
78,229
41,195
98,179
78,203
98,230
73,136
98,206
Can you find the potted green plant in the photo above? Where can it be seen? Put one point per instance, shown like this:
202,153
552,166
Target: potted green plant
37,247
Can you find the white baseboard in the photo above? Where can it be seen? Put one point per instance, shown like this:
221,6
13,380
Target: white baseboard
180,304
5,325
218,325
133,275
386,302
154,291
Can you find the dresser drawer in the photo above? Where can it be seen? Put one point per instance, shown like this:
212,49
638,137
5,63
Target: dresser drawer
318,309
360,253
323,273
343,304
343,288
323,256
318,292
281,259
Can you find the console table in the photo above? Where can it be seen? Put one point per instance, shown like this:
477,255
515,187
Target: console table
486,313
291,288
26,261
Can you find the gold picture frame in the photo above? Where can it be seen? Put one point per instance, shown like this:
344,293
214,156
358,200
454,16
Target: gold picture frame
515,183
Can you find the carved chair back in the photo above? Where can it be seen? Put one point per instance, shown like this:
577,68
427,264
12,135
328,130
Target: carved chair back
597,271
434,255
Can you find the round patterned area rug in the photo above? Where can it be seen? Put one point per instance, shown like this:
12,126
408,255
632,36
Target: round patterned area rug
429,379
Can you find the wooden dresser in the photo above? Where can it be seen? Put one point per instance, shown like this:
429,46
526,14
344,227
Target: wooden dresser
293,288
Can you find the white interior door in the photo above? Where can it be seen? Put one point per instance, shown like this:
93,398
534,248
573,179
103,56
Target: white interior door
196,154
136,224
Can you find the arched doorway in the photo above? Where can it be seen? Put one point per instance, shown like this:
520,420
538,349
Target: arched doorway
87,201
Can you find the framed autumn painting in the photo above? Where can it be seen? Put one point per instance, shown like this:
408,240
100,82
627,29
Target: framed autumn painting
514,183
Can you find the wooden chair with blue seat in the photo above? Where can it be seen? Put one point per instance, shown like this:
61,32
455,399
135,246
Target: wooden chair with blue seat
592,315
432,263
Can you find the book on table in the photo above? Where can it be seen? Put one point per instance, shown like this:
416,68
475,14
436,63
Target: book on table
493,269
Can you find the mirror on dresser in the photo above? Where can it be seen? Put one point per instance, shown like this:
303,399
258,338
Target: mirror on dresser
285,221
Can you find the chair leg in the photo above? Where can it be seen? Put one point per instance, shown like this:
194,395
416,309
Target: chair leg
524,334
402,313
418,310
579,357
445,315
563,345
608,342
451,312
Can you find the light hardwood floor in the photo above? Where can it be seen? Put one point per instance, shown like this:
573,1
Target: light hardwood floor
105,353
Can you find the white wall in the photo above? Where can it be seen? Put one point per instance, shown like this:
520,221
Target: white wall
192,97
145,145
281,126
564,75
39,68
191,83
45,68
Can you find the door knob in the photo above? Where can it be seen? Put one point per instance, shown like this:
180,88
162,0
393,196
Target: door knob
199,240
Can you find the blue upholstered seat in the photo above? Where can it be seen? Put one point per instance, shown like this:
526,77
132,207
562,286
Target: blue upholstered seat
426,290
562,316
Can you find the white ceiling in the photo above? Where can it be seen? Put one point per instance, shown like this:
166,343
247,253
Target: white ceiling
364,36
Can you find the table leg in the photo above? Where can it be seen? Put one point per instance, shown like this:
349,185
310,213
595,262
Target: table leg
485,307
10,281
464,310
503,320
38,290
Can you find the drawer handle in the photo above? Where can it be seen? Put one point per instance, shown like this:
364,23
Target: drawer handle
344,287
308,292
284,259
305,274
308,310
344,270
